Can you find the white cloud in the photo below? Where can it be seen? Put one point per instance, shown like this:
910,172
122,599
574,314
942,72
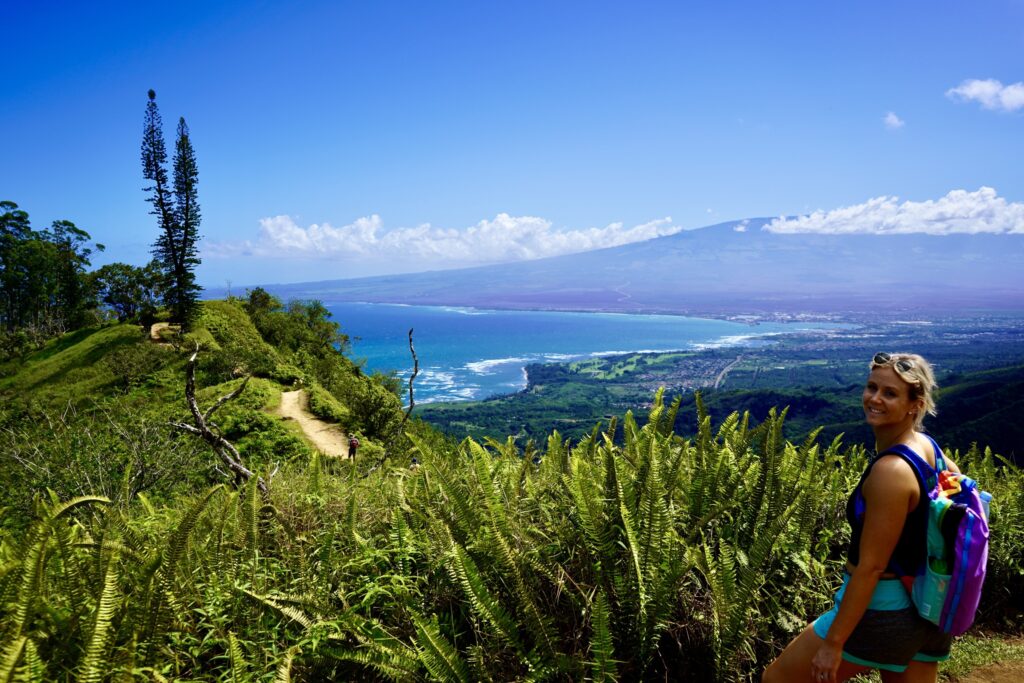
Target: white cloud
742,226
505,238
990,93
893,122
959,211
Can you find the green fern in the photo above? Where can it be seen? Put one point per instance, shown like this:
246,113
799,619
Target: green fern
483,602
33,670
94,665
10,658
284,668
34,561
162,603
279,605
602,650
501,533
438,655
239,668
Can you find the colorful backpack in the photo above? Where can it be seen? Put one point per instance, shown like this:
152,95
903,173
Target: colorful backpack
947,589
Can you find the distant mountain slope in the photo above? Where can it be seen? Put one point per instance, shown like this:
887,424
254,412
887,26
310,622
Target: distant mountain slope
731,267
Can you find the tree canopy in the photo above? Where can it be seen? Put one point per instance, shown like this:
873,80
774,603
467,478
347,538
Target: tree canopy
176,206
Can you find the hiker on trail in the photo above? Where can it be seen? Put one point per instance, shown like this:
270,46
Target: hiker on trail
353,444
873,623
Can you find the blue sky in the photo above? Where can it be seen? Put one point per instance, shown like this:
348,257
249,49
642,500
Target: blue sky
337,139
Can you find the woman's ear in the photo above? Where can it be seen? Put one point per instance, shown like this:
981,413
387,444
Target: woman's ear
918,407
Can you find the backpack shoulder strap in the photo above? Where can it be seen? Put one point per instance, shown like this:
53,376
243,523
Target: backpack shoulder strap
926,474
940,462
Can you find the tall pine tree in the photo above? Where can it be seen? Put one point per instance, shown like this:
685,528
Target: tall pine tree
176,207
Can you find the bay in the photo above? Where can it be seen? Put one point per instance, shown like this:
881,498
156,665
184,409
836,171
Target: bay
472,353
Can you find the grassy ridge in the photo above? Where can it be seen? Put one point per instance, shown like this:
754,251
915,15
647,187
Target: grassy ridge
70,367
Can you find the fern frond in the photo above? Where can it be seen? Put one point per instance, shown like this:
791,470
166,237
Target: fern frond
298,616
350,523
379,649
437,654
602,650
33,671
239,669
63,508
384,662
9,661
400,541
463,516
165,565
178,541
632,546
284,669
486,606
94,666
109,546
501,533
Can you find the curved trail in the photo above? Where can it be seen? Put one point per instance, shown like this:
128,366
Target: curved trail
326,437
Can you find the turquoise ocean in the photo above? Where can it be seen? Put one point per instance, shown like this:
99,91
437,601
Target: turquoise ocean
469,353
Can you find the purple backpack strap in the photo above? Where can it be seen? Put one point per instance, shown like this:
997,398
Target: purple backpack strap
926,474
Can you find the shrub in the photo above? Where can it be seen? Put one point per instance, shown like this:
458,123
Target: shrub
327,407
375,410
131,364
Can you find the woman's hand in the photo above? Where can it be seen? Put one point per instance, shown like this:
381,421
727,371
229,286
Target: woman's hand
826,663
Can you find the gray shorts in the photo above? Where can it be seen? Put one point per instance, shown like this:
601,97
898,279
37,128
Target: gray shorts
891,633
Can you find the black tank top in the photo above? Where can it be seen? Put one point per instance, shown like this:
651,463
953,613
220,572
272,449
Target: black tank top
911,551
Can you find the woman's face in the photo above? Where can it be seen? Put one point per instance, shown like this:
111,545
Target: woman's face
887,399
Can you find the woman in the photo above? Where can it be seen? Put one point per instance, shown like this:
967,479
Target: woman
873,624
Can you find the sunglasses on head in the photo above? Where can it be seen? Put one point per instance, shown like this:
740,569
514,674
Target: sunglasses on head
902,365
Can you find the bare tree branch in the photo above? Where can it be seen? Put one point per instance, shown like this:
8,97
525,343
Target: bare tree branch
408,411
224,449
412,378
227,397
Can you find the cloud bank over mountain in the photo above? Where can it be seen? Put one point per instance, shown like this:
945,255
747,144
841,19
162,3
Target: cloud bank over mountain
959,212
503,238
367,247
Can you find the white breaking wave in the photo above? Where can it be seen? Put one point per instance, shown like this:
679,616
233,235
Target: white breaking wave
487,367
465,310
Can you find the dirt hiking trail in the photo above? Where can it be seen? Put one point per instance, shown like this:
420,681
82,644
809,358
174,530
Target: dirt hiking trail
154,333
326,437
1004,672
1011,671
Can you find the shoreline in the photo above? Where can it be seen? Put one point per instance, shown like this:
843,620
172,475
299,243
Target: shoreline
741,341
751,319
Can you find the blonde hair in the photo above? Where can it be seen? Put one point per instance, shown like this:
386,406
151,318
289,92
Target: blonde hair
917,373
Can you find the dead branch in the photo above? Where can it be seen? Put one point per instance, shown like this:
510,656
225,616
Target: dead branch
408,411
412,378
224,449
227,397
